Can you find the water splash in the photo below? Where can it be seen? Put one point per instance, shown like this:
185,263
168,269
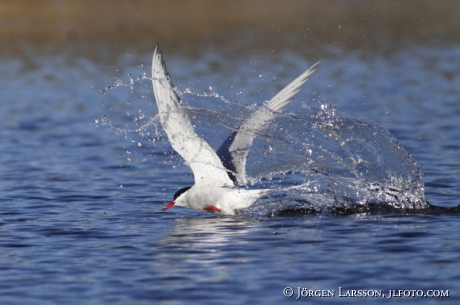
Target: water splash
345,164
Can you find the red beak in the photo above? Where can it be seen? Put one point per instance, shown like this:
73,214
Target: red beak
169,205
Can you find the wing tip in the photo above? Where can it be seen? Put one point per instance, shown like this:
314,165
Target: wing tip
284,97
160,73
158,59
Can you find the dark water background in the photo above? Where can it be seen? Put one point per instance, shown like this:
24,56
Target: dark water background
81,220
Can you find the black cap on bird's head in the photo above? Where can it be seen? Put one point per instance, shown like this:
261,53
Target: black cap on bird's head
176,195
181,191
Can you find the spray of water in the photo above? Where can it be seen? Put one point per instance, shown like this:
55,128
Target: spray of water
344,164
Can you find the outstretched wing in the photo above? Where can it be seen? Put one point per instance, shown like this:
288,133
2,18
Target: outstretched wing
234,150
204,162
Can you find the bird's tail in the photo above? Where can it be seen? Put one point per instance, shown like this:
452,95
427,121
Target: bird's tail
266,192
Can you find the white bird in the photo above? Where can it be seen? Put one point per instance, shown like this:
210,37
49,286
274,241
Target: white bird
217,175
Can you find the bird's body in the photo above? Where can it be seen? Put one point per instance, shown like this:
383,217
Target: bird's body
220,199
217,175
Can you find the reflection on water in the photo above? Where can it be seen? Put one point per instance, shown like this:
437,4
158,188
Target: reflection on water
202,237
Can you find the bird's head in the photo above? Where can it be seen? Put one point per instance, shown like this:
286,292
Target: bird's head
178,197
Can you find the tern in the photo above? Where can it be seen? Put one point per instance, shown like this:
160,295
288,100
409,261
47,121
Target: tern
218,175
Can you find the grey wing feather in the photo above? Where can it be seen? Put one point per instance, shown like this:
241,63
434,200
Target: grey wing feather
233,151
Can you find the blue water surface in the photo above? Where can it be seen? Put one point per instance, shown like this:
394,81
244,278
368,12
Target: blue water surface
82,190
